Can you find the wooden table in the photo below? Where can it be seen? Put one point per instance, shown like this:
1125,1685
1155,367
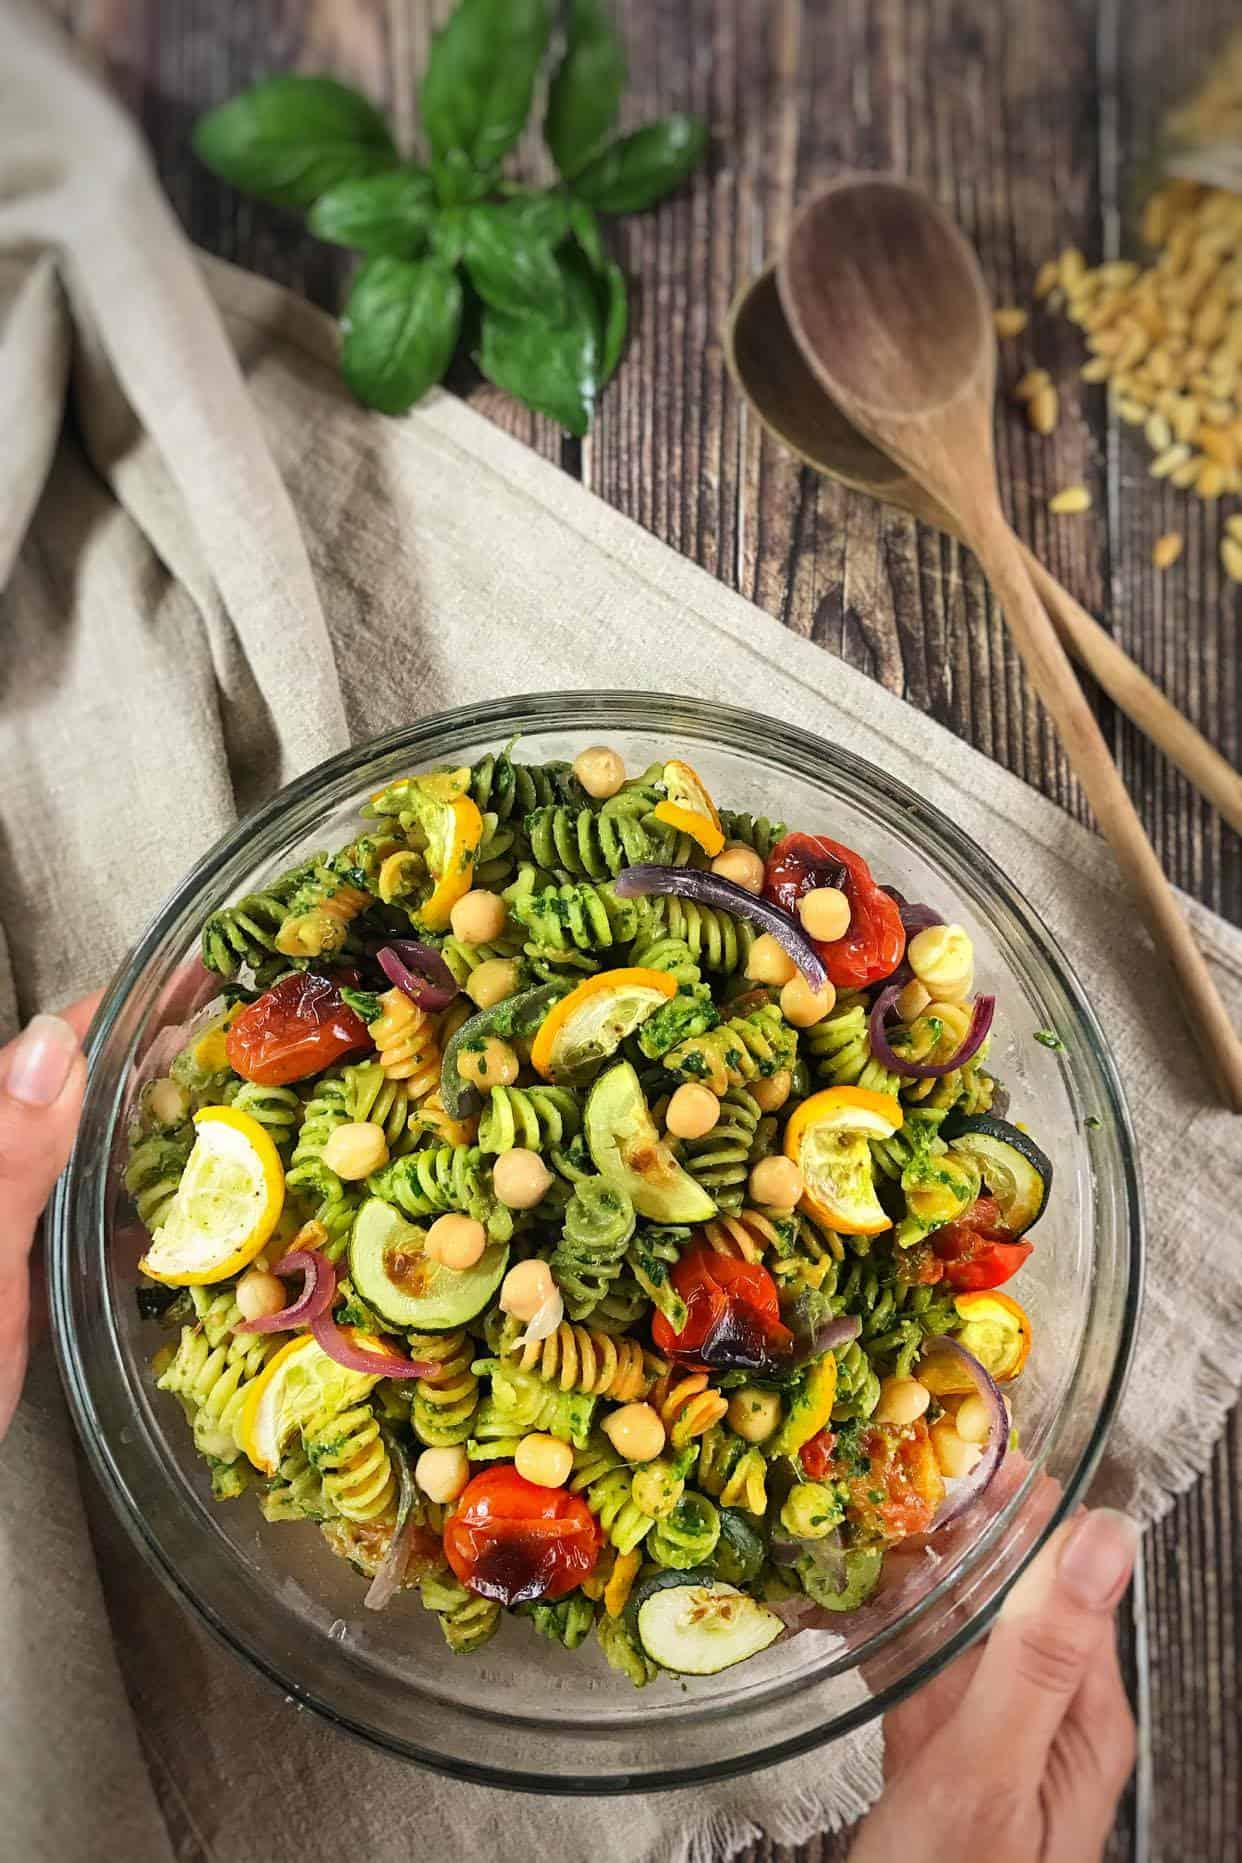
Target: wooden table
1026,120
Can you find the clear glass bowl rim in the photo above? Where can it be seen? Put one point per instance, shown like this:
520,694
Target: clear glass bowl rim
430,740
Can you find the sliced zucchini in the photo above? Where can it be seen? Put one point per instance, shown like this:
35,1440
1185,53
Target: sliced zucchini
838,1590
1016,1172
629,1152
692,1624
390,1272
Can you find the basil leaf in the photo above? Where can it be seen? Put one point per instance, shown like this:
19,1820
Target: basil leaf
585,91
292,138
585,229
458,181
400,326
511,268
393,212
616,320
553,368
477,89
637,170
545,216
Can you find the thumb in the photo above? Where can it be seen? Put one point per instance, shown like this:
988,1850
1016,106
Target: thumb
42,1075
1055,1625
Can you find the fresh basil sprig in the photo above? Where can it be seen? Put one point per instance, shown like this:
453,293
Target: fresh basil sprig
457,245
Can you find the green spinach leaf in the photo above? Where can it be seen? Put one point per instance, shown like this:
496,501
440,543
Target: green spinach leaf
400,325
585,91
390,213
477,90
513,268
637,170
292,138
553,368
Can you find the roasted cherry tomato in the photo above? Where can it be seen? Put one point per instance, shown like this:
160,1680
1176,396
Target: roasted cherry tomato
894,1482
733,1314
976,1252
816,1455
919,1266
511,1540
297,1028
875,943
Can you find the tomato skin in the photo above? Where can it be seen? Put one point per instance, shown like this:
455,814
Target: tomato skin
816,1455
875,943
976,1253
733,1314
898,1493
295,1029
512,1540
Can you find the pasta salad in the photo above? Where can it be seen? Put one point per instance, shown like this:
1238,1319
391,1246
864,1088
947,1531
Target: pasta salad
586,1203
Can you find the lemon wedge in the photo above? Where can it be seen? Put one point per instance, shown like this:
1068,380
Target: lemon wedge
297,1383
689,807
592,1021
828,1139
228,1202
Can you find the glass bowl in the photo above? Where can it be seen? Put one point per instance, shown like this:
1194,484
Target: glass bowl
525,1713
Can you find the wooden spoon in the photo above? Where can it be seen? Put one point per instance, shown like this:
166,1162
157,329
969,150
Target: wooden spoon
767,367
889,307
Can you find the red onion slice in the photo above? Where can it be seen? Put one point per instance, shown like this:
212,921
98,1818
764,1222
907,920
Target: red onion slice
339,1343
419,971
318,1287
971,1486
976,1035
825,1337
388,1579
710,889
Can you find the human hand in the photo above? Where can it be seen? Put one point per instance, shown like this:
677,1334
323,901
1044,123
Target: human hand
1019,1751
42,1077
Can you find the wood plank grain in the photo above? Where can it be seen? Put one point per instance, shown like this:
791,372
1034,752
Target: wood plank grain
1025,121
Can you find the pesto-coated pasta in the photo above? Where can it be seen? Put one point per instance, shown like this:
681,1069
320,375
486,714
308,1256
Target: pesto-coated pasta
596,1192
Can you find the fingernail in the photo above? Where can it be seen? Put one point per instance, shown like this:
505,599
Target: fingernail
40,1060
1098,1557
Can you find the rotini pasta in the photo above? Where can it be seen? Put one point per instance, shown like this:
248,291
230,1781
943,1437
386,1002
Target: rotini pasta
597,1225
629,1265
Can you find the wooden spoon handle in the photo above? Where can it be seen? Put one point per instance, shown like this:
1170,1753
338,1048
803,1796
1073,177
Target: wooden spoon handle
1135,695
1053,678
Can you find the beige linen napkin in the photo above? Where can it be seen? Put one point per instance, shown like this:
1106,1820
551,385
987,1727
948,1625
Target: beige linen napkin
217,570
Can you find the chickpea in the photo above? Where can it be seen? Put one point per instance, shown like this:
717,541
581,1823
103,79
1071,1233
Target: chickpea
776,1182
492,980
954,1457
478,917
973,1421
167,1102
545,1460
943,959
442,1473
355,1150
525,1288
803,1006
912,1000
754,1414
902,1400
770,1095
493,1065
825,913
692,1112
741,865
811,1511
635,1432
259,1294
769,962
520,1178
456,1241
600,771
